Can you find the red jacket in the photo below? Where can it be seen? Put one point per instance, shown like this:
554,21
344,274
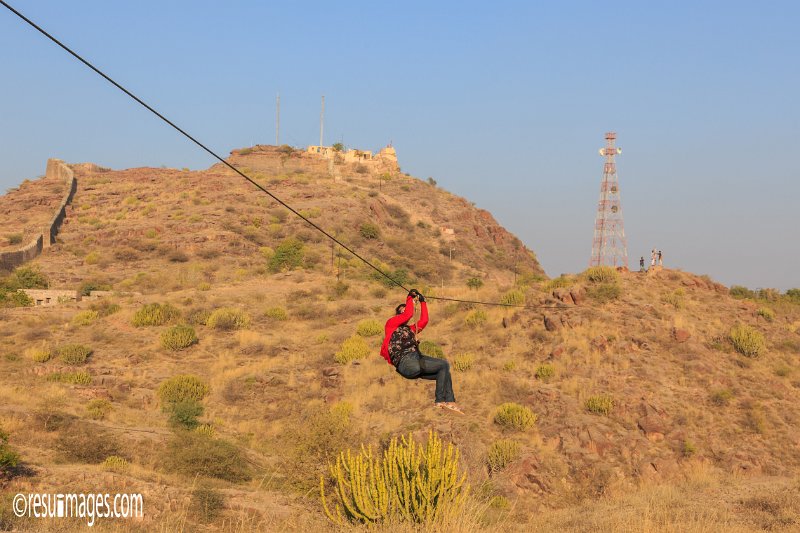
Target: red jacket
398,320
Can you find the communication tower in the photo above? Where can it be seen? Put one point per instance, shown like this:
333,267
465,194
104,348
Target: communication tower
609,246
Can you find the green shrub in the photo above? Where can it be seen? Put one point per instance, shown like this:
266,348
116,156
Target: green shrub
369,328
601,274
740,293
116,464
29,277
352,348
193,454
84,318
369,230
475,283
558,283
104,308
98,408
228,318
747,341
155,315
688,448
178,338
604,292
181,388
545,371
340,288
513,297
674,298
766,313
15,238
14,298
9,458
92,258
397,485
601,404
500,502
509,366
400,275
463,362
73,378
514,416
431,349
476,318
85,443
40,353
73,354
198,317
501,454
276,313
87,287
287,256
183,414
206,430
207,503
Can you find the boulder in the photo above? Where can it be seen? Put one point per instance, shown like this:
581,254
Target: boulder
557,351
562,295
653,426
331,371
551,324
526,475
578,294
680,335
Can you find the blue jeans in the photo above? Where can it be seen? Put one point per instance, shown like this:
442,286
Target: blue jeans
415,366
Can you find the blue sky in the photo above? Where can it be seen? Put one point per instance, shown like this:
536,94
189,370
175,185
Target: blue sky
505,103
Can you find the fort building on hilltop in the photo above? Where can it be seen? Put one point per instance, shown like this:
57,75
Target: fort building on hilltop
384,160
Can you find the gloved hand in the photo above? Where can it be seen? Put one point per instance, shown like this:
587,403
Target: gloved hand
413,293
421,298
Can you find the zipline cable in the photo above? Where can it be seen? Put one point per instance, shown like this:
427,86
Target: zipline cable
239,172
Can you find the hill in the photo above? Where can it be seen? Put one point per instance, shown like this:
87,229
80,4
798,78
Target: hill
661,402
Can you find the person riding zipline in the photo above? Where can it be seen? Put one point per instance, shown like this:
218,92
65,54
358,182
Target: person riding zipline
400,348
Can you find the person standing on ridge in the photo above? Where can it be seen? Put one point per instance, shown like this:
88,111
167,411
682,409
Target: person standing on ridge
400,348
660,260
641,264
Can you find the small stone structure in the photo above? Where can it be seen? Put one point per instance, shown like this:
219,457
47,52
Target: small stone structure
45,297
55,169
52,296
384,160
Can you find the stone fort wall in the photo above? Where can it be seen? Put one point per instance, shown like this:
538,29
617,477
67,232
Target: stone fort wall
55,169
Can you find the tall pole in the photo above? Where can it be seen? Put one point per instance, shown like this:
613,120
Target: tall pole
322,120
278,120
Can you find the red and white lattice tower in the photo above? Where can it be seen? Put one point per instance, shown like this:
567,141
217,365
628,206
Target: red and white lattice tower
609,246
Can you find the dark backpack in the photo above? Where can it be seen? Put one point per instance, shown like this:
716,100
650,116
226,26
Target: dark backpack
401,342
